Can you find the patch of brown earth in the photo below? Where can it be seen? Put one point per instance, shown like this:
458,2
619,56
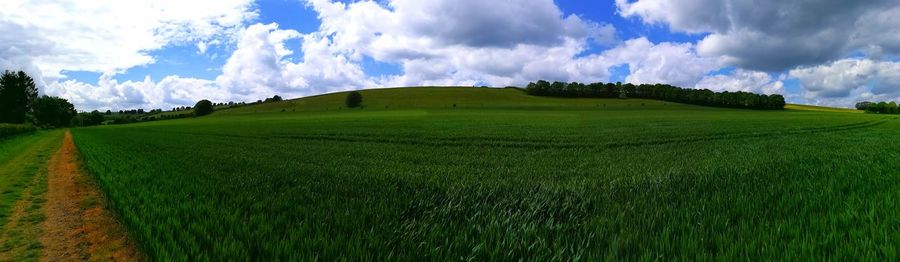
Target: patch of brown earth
77,226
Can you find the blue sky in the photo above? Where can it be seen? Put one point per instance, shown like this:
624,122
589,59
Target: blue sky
830,52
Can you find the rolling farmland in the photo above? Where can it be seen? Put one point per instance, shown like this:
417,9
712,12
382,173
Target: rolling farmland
466,173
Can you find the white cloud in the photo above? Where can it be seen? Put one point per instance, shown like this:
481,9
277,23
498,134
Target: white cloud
170,92
743,80
260,66
850,77
463,42
670,63
774,35
111,36
48,38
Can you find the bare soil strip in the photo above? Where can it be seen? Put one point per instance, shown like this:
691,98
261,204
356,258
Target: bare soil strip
77,224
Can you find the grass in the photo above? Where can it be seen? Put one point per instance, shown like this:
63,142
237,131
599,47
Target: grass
821,109
502,176
21,157
23,181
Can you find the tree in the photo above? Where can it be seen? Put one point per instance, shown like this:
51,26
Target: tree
658,91
203,107
275,98
17,95
89,119
354,99
53,111
881,107
623,94
863,105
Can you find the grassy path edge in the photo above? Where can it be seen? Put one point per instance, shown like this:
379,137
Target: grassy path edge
77,224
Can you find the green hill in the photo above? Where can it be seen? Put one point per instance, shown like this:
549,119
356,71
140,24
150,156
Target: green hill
447,97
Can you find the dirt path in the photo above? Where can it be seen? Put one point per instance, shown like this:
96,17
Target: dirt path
77,225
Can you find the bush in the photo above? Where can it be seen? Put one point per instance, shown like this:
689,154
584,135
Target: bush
354,99
7,130
202,108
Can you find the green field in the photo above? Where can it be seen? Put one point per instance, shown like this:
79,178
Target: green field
503,176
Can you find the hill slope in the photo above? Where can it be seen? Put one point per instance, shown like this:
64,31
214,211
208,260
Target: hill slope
447,97
471,97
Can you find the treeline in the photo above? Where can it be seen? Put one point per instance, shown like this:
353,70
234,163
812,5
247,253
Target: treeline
663,92
879,108
20,103
140,115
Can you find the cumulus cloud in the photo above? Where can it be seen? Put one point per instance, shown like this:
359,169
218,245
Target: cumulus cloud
110,36
775,35
843,78
48,38
463,42
672,63
743,80
109,93
259,66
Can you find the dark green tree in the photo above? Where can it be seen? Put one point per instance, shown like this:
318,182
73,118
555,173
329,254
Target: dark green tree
658,91
863,105
891,108
275,98
53,111
89,119
354,99
203,107
623,94
17,95
881,107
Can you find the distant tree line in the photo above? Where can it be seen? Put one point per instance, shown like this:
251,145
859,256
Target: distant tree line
879,108
663,92
20,104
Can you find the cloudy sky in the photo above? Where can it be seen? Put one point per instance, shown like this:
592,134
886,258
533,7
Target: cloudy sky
111,54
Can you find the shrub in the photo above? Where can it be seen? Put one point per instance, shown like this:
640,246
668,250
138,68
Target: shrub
204,107
354,99
7,130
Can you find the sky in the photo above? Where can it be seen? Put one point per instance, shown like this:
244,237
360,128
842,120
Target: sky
119,55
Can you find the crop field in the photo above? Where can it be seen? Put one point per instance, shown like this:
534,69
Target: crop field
480,174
